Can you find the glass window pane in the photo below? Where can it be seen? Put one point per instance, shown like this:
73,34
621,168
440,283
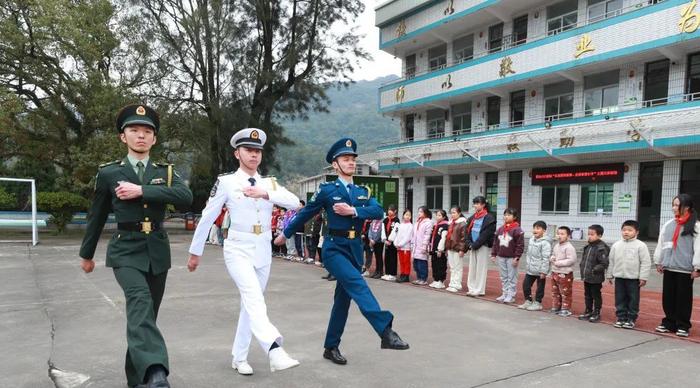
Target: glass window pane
601,79
610,96
593,99
551,107
433,181
566,104
587,198
562,199
569,21
438,199
547,200
459,179
558,88
561,8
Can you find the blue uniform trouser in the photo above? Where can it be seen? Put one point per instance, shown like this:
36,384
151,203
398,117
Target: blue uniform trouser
343,259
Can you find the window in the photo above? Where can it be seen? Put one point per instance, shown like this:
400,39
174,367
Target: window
495,38
519,30
461,118
409,125
601,92
459,191
603,9
693,80
463,48
493,111
436,123
562,16
433,186
555,199
491,183
410,66
559,100
437,57
517,108
597,196
656,82
408,194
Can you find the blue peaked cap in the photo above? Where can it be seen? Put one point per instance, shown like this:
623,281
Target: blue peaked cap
344,146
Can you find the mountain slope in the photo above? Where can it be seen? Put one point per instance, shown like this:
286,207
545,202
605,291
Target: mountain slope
352,112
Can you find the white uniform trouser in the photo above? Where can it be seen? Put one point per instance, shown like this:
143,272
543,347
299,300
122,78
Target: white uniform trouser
456,268
240,254
478,270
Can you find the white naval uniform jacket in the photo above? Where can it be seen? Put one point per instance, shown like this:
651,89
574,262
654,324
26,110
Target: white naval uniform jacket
244,212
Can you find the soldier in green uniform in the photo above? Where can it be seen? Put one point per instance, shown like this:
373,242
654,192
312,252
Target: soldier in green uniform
137,191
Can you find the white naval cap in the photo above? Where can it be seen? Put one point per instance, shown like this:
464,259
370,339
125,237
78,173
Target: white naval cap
249,137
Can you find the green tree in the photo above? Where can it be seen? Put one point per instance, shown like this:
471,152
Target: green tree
66,67
7,201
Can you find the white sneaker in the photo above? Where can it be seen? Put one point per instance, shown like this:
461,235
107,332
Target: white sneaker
365,274
525,305
242,367
309,261
501,298
440,285
451,289
280,360
317,263
390,278
509,300
535,306
433,284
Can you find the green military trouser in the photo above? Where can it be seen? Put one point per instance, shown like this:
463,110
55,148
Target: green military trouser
143,293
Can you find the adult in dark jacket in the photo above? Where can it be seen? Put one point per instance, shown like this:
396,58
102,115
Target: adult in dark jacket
481,227
593,264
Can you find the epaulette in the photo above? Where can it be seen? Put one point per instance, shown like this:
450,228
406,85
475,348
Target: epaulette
109,163
273,180
326,183
227,173
163,164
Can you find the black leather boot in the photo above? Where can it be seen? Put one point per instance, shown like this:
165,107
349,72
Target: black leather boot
391,340
334,355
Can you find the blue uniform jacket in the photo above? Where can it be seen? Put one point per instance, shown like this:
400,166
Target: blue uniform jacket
330,193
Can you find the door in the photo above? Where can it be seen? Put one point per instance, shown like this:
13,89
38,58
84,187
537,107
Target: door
408,195
515,190
649,207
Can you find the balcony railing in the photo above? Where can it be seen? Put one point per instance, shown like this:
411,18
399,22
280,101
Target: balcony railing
551,120
509,41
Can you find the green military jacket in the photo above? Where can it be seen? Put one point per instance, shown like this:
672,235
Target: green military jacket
161,186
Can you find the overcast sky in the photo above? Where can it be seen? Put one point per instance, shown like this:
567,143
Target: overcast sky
383,63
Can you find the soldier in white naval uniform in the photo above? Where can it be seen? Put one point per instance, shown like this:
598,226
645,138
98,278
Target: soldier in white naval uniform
247,250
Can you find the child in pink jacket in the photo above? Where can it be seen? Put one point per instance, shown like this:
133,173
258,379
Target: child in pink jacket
563,260
420,243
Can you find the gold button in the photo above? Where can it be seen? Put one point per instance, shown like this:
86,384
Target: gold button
145,219
145,205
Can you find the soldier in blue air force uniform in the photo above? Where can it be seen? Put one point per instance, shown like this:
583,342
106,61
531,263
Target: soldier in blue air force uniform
347,206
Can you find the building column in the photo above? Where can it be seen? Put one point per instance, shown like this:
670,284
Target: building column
670,188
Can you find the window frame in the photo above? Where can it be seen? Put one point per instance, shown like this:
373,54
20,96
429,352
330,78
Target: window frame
557,189
596,196
461,188
437,192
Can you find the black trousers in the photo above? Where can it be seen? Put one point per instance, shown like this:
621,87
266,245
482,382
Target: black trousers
390,260
311,244
677,300
593,297
379,257
627,299
527,287
439,266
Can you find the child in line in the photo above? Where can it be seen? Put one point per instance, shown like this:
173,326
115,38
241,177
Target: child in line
630,263
507,249
562,260
420,243
438,254
401,238
455,245
390,223
539,250
593,265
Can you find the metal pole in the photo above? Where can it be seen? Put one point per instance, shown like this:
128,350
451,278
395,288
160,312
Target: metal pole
35,233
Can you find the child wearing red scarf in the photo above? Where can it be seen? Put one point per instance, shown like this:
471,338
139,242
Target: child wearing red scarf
506,251
677,257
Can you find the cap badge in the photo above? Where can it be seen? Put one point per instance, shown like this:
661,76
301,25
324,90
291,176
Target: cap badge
254,135
141,111
348,143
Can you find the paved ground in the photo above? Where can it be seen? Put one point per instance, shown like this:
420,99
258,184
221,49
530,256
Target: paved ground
52,315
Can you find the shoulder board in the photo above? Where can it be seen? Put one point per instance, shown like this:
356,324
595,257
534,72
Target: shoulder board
326,183
109,163
227,173
163,164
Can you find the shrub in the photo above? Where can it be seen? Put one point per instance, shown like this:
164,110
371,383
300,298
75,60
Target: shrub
61,206
7,201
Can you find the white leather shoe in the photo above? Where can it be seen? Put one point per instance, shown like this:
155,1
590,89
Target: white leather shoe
280,360
242,367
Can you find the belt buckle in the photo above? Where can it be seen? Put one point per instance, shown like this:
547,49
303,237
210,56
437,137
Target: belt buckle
146,227
351,234
257,229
